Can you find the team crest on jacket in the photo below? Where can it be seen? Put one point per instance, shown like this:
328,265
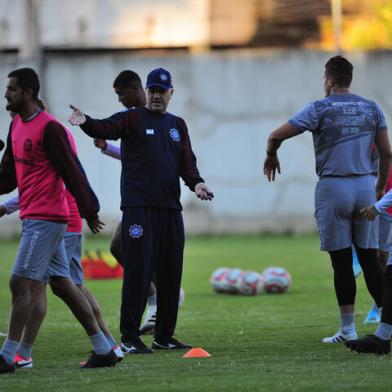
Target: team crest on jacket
175,135
28,145
135,231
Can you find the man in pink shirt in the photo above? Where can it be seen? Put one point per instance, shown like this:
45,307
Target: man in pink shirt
73,248
39,160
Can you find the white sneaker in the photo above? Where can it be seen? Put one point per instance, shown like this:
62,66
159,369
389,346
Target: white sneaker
119,353
148,327
23,363
340,337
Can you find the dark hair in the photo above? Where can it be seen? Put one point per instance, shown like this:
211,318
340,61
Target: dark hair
125,78
340,70
27,78
42,104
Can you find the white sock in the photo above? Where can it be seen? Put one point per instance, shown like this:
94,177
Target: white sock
347,324
152,300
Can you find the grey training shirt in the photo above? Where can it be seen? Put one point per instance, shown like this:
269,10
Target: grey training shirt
343,128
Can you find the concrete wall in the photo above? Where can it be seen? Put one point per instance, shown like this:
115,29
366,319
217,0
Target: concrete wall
231,101
107,23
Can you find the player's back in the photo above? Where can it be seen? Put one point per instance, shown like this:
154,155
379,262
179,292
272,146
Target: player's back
345,132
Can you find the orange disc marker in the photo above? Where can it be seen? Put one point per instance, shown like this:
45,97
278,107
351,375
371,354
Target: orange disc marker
197,353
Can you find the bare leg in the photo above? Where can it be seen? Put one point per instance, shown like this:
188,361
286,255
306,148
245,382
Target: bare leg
65,289
21,306
38,312
95,308
80,307
20,313
115,245
101,322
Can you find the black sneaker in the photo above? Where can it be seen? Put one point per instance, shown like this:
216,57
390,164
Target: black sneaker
370,344
171,344
5,367
135,347
99,360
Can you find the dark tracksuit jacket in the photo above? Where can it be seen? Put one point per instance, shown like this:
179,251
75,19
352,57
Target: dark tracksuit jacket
155,152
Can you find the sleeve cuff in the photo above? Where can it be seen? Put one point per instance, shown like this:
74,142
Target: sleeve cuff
378,208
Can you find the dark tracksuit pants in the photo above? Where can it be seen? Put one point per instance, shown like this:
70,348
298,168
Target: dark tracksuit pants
151,238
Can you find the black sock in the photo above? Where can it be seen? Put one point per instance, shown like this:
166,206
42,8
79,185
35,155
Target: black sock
373,274
344,279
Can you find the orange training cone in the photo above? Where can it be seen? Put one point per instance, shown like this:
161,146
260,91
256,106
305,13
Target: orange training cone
197,353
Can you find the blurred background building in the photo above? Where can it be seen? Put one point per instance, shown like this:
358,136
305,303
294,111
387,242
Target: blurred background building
240,69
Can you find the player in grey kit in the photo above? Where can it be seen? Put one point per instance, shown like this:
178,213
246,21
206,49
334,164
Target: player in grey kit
344,127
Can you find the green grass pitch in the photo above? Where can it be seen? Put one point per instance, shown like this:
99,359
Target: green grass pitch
261,343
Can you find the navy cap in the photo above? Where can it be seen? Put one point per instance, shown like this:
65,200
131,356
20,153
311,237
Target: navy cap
159,77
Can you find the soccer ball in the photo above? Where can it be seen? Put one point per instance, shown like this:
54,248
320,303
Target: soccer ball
251,283
231,281
218,277
277,280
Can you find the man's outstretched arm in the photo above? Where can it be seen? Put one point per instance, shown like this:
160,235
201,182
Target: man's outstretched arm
275,139
114,127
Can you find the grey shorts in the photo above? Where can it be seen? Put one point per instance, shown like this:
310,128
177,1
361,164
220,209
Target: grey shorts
73,248
385,232
41,251
338,201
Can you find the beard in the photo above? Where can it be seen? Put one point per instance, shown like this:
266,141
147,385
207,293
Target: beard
14,107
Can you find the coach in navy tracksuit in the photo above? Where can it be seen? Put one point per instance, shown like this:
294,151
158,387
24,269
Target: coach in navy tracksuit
155,152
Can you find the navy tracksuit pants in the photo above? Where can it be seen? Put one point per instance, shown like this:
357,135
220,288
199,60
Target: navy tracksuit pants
152,238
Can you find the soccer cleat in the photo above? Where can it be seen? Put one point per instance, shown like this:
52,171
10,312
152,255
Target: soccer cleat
135,347
148,328
3,334
117,350
5,367
22,362
340,337
373,317
119,353
370,344
98,360
171,344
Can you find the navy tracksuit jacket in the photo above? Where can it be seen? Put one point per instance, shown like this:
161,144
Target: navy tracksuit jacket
155,152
